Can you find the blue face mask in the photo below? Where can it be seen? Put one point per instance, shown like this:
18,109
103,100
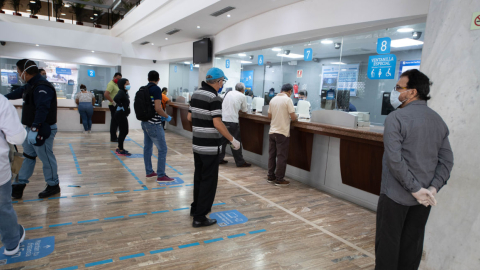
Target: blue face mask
220,90
127,87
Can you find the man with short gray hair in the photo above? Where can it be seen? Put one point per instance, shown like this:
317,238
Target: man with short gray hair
233,102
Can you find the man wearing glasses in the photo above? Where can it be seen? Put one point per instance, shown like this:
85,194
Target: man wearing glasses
205,113
417,162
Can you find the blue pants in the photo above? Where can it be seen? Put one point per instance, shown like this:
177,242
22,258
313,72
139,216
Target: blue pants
154,134
86,112
45,153
9,228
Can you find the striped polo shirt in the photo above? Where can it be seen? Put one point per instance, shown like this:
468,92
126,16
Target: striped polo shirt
155,94
204,106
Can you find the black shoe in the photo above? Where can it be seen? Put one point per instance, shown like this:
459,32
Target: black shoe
223,161
49,191
271,179
114,140
17,191
245,165
207,222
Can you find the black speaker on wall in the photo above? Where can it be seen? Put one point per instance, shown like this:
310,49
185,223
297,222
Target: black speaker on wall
386,105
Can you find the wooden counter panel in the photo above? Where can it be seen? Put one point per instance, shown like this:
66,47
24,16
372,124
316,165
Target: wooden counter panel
252,135
173,113
300,149
97,118
187,125
361,165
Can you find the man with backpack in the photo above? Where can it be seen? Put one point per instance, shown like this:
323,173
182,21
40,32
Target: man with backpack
148,109
39,115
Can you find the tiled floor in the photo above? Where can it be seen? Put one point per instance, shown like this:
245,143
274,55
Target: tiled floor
116,212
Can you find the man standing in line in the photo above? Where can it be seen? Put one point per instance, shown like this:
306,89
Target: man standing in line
110,93
233,102
39,115
417,162
11,131
281,112
154,133
205,113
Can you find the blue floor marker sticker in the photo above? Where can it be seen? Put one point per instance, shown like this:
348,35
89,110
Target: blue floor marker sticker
229,218
32,249
135,156
177,181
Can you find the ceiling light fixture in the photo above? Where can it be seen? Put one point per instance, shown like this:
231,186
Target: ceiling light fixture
95,14
186,63
405,30
405,42
198,26
67,5
153,44
33,2
327,41
242,55
197,65
91,18
228,16
63,14
416,35
291,55
28,10
218,58
93,51
37,45
276,49
166,38
245,62
337,63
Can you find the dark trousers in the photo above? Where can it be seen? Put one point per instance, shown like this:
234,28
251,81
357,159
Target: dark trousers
399,236
205,182
234,129
113,123
122,121
277,155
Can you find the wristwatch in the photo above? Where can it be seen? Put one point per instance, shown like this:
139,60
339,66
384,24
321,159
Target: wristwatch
34,129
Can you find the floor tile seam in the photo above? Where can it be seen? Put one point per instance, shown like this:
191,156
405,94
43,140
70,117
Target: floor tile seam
75,159
302,219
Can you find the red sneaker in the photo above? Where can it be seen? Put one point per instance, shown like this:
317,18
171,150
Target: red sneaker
152,174
165,178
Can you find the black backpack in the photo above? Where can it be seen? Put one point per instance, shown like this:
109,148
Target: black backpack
144,108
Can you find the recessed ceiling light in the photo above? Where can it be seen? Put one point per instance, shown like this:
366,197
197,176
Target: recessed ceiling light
405,42
93,51
63,14
326,41
37,45
218,58
245,62
33,2
228,16
276,49
28,10
337,63
242,55
95,14
405,30
153,44
91,18
67,5
198,26
166,38
186,63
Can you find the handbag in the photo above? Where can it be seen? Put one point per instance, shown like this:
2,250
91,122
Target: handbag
16,159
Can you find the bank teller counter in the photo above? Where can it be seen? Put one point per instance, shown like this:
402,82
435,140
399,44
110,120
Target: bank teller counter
343,161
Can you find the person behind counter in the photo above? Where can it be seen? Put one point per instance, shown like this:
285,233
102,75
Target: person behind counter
112,90
281,112
42,72
122,100
85,101
417,162
165,102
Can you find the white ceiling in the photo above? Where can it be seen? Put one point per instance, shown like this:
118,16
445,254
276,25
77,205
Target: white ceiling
365,43
210,25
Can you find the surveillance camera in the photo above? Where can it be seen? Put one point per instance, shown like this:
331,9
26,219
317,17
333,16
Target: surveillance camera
3,43
154,61
316,60
416,35
338,45
286,52
251,57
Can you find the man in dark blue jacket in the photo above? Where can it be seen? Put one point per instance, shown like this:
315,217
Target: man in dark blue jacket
39,115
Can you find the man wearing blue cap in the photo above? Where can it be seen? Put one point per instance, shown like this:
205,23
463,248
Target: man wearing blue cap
205,113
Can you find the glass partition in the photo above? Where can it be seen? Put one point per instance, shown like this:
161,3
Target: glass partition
331,73
183,79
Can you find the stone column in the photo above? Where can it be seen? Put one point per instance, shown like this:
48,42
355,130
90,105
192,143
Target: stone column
451,58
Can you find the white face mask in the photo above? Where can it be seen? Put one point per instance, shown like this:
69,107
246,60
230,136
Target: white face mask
22,80
394,99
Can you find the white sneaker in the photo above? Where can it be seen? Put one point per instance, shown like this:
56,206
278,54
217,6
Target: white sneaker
89,132
15,250
85,132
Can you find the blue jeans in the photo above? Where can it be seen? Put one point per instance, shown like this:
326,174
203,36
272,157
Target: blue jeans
9,228
154,134
45,153
86,112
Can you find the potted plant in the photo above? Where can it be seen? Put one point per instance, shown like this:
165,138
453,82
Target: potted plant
97,13
35,8
57,7
2,2
16,6
79,10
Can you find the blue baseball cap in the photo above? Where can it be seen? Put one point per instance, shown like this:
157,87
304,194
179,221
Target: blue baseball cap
216,73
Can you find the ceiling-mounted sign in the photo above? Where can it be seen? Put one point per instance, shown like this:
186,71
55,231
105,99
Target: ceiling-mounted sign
175,69
191,67
63,71
308,54
300,73
383,45
91,73
475,21
382,67
227,63
260,60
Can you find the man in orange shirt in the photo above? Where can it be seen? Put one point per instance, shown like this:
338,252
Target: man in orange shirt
165,101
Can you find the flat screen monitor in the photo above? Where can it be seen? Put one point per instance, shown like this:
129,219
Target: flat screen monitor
202,51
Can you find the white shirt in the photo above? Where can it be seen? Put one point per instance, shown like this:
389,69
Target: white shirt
281,106
233,103
12,131
84,97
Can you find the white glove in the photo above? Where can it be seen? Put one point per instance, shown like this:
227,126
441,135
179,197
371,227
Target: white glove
113,103
425,197
235,144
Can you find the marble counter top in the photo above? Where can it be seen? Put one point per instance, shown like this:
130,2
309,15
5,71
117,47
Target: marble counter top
98,109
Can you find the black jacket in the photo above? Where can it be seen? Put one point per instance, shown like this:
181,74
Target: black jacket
121,98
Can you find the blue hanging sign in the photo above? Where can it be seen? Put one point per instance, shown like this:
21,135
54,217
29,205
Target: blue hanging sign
191,67
382,67
177,181
383,45
32,249
260,60
91,73
308,54
63,71
227,63
175,69
229,218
